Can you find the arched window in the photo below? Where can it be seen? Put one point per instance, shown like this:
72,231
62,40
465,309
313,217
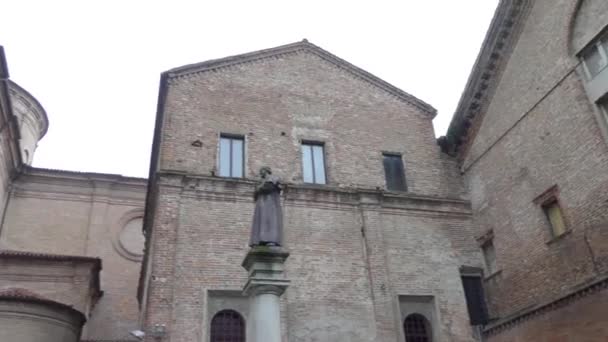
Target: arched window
227,326
417,329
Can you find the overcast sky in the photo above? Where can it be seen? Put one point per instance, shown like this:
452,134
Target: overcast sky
95,65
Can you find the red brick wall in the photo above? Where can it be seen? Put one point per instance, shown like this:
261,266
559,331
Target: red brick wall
540,130
584,320
354,250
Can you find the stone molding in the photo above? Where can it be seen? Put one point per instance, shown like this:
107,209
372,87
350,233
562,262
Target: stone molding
117,228
48,175
324,197
538,310
303,46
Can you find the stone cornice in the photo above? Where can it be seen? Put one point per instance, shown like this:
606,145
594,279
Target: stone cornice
495,51
306,195
294,48
530,313
30,171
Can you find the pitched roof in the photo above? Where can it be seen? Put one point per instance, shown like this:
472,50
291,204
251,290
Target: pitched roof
292,48
45,256
495,50
17,294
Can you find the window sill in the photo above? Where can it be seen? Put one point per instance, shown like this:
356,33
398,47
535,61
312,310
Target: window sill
493,275
311,186
559,237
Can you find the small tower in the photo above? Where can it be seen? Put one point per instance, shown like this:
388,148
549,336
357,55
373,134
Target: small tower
31,120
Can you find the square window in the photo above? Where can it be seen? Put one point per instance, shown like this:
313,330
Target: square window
313,163
394,172
554,215
489,257
231,156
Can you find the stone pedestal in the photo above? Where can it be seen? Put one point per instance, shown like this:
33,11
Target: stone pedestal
265,285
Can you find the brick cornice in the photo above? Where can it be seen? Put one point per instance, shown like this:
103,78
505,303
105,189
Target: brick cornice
290,49
322,196
497,46
530,313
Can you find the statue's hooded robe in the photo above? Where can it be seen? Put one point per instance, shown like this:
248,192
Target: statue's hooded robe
267,225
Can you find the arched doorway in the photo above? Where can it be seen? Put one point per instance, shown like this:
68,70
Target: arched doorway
227,326
417,328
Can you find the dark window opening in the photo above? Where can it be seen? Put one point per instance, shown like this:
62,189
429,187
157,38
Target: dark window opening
416,329
394,172
227,326
476,303
232,156
313,163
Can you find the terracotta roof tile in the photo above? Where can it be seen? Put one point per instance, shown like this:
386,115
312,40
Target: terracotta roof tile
17,294
46,256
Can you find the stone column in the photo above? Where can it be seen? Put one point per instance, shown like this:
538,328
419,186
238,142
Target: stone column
266,284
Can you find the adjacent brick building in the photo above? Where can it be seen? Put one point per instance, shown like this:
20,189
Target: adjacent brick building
530,137
392,233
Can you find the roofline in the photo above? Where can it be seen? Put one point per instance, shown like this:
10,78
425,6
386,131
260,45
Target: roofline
97,263
37,299
292,48
13,254
45,119
508,18
38,171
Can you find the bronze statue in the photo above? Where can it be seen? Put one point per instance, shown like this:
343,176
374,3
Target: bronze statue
267,228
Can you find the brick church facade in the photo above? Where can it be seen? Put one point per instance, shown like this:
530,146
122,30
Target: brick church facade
496,232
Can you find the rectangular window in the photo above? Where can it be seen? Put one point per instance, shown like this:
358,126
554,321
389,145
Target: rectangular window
313,163
232,156
595,57
603,104
394,172
476,303
489,256
554,215
595,61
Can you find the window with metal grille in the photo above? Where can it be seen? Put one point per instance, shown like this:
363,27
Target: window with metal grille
417,328
394,172
313,163
232,156
476,303
227,326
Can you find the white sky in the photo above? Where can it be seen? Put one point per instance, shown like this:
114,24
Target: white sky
95,65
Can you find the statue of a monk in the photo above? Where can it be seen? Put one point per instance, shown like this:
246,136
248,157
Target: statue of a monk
267,228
